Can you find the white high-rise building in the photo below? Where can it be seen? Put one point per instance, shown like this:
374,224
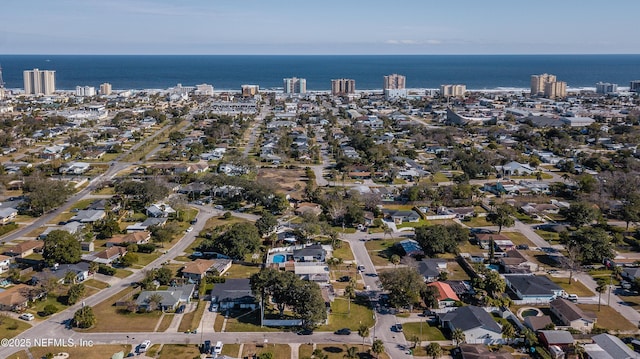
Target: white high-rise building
85,91
295,85
38,82
606,88
204,90
452,90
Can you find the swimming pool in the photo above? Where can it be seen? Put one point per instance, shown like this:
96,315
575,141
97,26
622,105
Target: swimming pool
279,258
494,267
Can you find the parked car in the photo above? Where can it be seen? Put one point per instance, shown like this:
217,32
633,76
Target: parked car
144,346
305,332
189,229
343,331
206,347
218,348
27,316
344,278
397,328
572,297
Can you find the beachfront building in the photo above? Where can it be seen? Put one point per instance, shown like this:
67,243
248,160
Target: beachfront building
395,86
204,90
85,91
39,82
606,88
343,86
295,85
250,90
548,86
105,89
634,86
452,90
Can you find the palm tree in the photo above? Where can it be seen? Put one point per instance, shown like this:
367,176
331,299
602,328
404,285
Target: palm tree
530,337
434,350
352,353
350,291
70,277
93,267
363,331
377,347
458,336
601,288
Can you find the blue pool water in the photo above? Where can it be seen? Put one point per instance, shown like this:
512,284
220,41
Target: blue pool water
494,267
278,258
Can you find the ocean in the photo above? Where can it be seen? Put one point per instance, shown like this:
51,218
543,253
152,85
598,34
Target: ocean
229,72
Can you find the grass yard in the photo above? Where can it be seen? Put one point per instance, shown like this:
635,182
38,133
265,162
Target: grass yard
548,236
166,322
241,271
11,327
179,351
344,252
477,222
609,318
246,322
95,352
112,319
122,273
431,333
279,351
191,320
218,323
455,272
95,283
576,287
341,318
334,351
518,238
232,350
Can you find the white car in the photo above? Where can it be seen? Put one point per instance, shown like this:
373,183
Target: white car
144,346
27,316
218,348
189,229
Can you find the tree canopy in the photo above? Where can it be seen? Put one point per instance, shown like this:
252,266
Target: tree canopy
440,238
501,216
592,244
405,286
241,239
61,247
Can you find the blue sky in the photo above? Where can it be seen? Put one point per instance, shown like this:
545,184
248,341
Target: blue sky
319,27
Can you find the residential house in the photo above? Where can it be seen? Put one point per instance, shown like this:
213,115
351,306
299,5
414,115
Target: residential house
409,247
631,274
500,240
430,268
536,323
532,288
17,297
517,262
107,256
312,253
607,346
144,226
24,249
480,351
140,237
514,168
560,338
399,217
160,210
5,263
88,216
59,273
459,212
7,214
75,168
571,315
170,298
477,325
446,296
71,227
233,293
195,271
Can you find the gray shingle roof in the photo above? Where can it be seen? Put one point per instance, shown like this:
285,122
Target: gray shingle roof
471,317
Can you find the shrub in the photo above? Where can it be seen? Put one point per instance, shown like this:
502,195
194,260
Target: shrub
106,270
49,309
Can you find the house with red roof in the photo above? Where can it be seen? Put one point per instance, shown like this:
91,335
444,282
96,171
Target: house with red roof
447,297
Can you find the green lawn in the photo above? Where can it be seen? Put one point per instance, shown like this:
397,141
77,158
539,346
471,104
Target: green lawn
547,235
10,327
241,271
111,319
335,351
344,252
179,351
232,350
518,238
477,222
609,318
341,318
246,322
279,351
455,272
431,333
576,287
